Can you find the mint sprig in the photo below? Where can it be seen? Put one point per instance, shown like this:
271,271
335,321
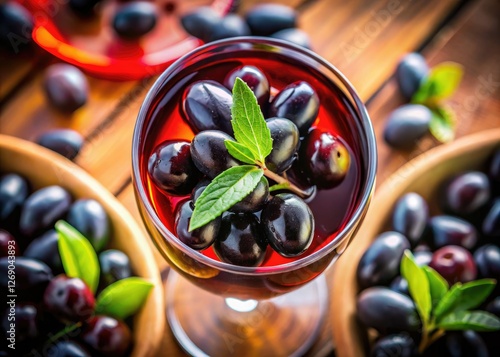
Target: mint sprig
249,125
442,308
227,189
252,144
441,84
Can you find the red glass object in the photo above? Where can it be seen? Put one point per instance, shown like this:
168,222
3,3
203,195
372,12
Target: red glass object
92,45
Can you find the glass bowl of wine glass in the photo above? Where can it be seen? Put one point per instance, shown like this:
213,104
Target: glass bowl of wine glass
245,294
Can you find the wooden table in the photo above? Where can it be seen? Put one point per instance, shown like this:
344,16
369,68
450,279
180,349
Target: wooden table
363,38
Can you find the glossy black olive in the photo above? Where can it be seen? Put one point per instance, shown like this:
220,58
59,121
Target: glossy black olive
406,125
209,153
487,259
449,230
45,249
31,277
207,106
412,70
172,169
298,102
66,87
254,78
231,25
386,310
410,217
266,19
240,240
379,264
115,265
14,190
42,209
90,218
16,26
288,224
255,199
286,142
200,22
66,142
397,345
135,19
467,193
200,238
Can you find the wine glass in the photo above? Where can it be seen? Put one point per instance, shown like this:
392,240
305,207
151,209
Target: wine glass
218,309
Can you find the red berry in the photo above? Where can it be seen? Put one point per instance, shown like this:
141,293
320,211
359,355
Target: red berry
454,263
107,336
69,299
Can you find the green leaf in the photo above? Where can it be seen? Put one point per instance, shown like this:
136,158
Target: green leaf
470,320
123,298
248,123
442,82
230,187
78,257
465,297
437,284
443,124
418,285
240,152
446,304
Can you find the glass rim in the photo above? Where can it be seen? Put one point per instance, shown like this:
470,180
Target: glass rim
367,130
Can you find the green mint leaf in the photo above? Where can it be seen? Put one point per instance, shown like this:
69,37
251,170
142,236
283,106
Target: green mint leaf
443,124
437,284
470,320
464,297
240,152
248,123
442,82
78,257
123,298
418,285
230,187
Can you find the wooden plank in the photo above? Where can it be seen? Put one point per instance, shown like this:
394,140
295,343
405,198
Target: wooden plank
110,162
13,69
365,38
471,40
28,114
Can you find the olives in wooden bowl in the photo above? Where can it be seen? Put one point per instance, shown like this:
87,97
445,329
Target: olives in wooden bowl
54,298
443,206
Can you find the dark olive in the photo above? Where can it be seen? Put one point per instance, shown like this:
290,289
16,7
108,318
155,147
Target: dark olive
42,209
90,218
200,22
288,224
449,230
45,249
66,142
406,125
31,277
386,310
266,19
467,193
379,265
14,189
231,25
286,141
412,70
294,35
410,216
66,87
255,199
207,106
16,26
135,19
200,238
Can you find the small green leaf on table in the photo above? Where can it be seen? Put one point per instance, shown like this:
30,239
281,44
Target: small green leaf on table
442,82
230,187
443,124
437,284
123,298
248,122
78,257
418,285
470,320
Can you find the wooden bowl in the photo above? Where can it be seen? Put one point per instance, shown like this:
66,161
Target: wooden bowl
423,175
43,167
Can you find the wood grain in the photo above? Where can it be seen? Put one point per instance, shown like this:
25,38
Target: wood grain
115,170
471,40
